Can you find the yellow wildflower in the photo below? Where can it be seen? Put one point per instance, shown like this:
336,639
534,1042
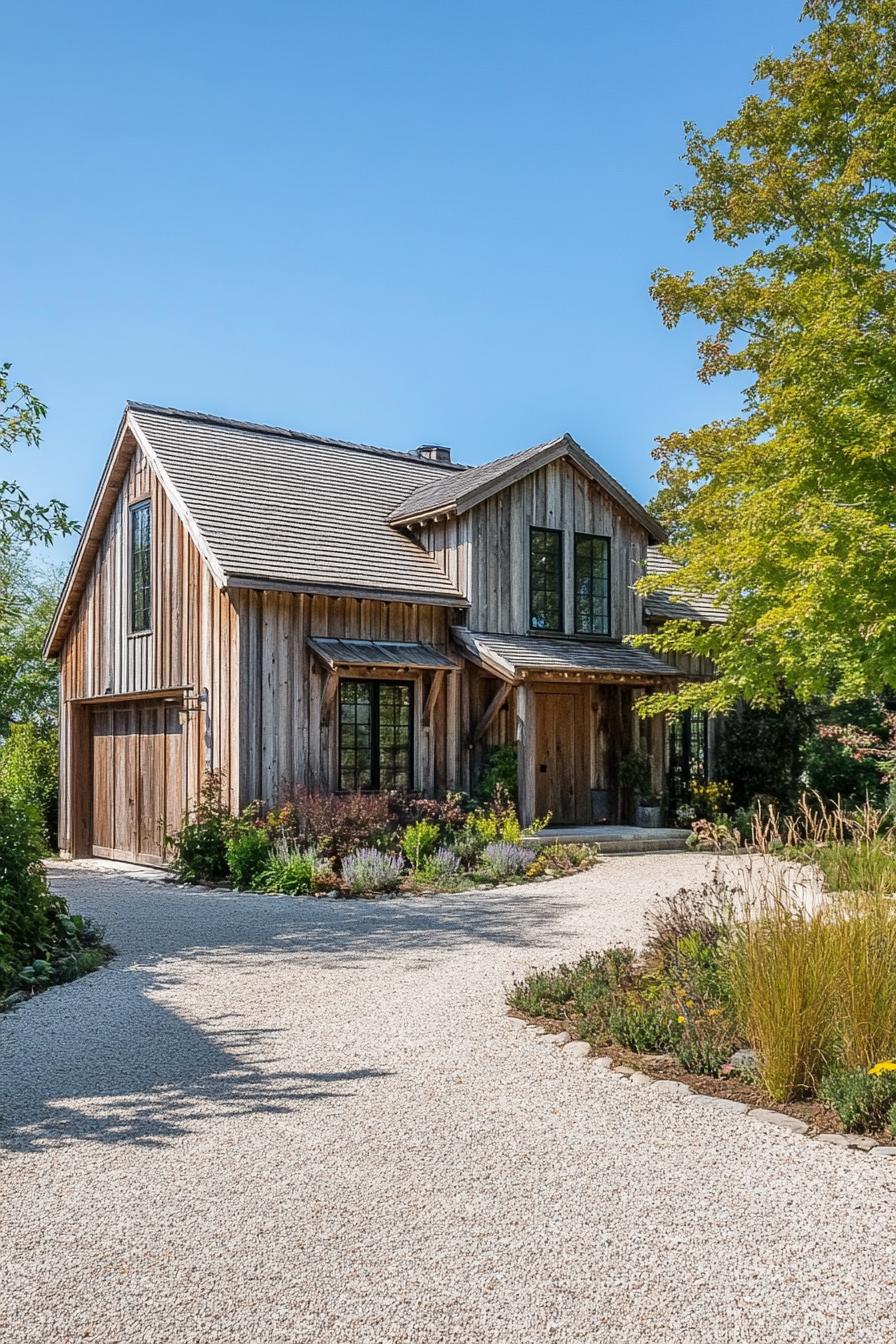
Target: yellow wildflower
681,1019
885,1066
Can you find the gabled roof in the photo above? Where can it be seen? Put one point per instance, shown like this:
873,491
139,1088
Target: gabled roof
514,657
456,494
673,603
273,508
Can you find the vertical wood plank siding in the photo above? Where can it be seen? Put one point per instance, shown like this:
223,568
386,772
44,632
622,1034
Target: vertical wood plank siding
486,551
283,741
193,642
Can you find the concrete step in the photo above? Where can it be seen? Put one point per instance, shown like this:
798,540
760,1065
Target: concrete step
615,839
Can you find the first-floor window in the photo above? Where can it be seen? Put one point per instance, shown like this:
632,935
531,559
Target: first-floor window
375,734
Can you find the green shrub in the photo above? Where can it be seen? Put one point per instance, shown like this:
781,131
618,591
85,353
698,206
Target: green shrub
29,772
419,841
248,851
862,1099
499,774
441,868
577,990
295,872
891,1120
468,845
640,1025
30,913
703,1053
199,848
558,858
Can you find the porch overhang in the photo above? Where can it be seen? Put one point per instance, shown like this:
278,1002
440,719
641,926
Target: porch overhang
379,655
528,658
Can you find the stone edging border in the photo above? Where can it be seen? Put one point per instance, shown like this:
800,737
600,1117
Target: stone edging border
668,1087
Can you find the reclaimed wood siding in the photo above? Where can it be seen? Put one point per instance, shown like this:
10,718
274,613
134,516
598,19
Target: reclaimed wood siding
486,551
192,643
286,740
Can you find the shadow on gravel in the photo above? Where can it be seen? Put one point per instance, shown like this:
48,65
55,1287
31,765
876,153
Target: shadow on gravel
106,1063
133,1072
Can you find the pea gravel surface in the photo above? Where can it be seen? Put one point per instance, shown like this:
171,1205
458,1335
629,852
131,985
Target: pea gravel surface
281,1120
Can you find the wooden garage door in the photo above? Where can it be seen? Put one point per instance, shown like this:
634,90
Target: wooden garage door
138,781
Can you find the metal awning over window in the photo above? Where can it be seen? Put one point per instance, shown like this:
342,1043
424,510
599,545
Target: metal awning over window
519,658
391,655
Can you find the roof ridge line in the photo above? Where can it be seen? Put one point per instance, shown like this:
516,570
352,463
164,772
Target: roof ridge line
280,431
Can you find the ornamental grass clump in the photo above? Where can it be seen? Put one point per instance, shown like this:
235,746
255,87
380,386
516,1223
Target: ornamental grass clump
366,871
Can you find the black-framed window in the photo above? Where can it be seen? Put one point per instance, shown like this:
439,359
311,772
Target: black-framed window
545,579
375,734
592,584
141,579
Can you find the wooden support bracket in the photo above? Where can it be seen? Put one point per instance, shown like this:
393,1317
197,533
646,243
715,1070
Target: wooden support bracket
329,696
432,695
494,705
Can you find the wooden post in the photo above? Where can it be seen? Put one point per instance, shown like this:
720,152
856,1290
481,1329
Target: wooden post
525,745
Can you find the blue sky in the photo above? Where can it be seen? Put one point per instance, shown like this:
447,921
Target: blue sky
392,222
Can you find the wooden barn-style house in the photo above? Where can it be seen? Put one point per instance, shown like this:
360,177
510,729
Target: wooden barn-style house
290,611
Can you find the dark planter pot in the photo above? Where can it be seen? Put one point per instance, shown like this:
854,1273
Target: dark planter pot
600,806
648,816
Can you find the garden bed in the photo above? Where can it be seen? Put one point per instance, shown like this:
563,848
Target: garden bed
760,993
365,845
665,1068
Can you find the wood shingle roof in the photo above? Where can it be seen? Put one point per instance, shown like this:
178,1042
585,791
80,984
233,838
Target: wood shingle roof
280,508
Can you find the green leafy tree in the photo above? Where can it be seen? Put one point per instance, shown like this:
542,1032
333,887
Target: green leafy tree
786,512
21,417
28,684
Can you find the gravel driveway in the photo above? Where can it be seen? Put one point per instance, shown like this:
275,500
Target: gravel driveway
274,1120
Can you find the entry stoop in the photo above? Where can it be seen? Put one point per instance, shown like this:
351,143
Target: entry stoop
614,839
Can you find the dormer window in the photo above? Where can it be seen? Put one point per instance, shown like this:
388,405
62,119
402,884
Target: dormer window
592,584
545,579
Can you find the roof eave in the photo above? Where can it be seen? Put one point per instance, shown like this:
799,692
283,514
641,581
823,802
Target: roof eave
564,446
62,615
416,597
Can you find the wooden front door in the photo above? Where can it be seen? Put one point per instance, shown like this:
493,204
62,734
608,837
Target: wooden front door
138,790
562,755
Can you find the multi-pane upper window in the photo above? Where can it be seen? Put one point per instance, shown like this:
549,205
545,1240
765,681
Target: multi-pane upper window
545,579
592,585
141,580
374,735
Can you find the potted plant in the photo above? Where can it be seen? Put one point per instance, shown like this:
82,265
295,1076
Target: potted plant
635,772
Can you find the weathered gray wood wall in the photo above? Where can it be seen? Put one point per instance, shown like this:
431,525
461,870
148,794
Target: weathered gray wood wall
192,643
486,550
284,742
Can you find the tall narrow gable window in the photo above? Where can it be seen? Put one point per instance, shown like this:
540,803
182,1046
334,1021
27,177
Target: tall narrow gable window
375,741
592,585
141,579
545,579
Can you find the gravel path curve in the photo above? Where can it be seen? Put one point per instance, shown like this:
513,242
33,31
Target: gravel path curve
273,1120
